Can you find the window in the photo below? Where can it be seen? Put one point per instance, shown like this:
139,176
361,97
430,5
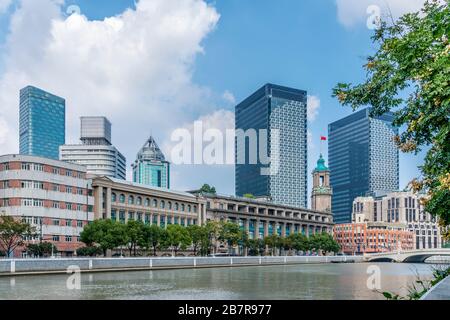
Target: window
38,167
79,207
130,200
182,207
26,166
68,206
26,184
139,201
55,238
55,222
68,238
68,189
79,191
38,185
68,223
162,204
38,203
195,209
169,205
68,173
80,224
55,187
122,198
176,206
113,197
189,208
6,166
56,171
155,203
55,205
147,202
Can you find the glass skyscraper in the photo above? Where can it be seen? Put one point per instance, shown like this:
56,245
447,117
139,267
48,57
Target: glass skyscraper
282,112
363,160
151,167
41,123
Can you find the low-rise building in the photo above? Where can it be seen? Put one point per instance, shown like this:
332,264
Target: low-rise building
373,237
52,196
404,208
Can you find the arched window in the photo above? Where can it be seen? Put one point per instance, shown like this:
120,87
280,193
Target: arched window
176,206
162,204
113,197
122,198
155,203
139,201
147,202
130,200
169,205
189,208
182,207
195,209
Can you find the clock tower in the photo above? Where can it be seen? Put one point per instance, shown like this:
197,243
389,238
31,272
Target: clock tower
322,192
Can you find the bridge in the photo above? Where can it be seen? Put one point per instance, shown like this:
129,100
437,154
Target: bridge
412,256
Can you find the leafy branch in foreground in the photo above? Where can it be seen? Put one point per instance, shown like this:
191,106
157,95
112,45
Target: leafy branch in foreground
409,75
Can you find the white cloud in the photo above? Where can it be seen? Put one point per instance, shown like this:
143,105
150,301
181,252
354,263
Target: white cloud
352,12
4,5
135,68
313,107
229,97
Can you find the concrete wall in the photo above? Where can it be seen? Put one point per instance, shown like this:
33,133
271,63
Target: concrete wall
24,266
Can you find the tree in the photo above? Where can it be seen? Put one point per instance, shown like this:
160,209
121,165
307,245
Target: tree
177,238
107,234
300,242
213,230
409,75
13,233
198,235
134,234
89,251
230,233
42,249
249,196
273,242
152,237
206,188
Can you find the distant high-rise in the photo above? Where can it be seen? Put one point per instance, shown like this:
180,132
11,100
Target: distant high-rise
96,152
151,167
363,160
42,124
281,111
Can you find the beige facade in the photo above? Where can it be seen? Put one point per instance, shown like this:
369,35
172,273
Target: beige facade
262,218
404,208
123,201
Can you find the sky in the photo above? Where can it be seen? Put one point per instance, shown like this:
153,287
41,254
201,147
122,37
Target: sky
153,66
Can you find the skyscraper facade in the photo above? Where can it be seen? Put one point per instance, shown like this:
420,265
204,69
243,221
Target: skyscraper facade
96,152
363,159
151,167
41,123
282,112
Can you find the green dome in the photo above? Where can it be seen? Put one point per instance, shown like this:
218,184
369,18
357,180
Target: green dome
321,164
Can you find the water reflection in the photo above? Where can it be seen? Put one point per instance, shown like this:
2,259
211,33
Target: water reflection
331,281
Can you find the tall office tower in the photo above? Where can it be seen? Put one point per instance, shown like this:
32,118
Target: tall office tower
42,126
151,167
363,160
96,152
280,111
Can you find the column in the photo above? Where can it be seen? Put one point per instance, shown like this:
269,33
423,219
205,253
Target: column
108,203
276,227
291,229
247,226
99,203
257,228
158,219
283,229
266,228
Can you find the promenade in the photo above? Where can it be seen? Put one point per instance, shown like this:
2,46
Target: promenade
16,267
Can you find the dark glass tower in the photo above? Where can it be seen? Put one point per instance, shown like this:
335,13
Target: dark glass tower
363,160
42,123
275,109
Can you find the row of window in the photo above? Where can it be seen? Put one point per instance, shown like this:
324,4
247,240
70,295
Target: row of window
40,167
55,221
38,185
154,203
55,204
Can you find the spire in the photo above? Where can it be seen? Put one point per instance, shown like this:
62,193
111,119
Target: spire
150,151
321,164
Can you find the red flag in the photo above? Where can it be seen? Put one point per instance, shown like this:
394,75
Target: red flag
322,138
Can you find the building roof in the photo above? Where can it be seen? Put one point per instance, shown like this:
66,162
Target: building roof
140,185
321,164
150,151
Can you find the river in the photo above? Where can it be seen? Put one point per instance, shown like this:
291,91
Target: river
319,281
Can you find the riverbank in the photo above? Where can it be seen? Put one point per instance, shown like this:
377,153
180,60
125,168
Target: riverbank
441,291
16,267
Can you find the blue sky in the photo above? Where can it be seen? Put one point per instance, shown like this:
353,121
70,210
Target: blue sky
308,44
